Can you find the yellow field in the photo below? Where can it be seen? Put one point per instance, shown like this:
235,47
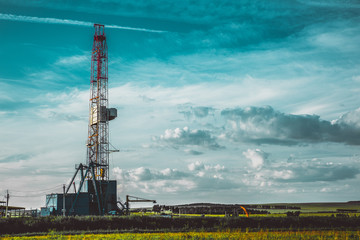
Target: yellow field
303,214
208,235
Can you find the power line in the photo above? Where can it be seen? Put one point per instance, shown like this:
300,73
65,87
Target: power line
39,191
27,196
35,193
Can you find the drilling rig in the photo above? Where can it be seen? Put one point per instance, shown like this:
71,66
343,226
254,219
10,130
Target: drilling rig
96,193
99,113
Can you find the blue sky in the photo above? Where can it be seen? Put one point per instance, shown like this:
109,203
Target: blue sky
218,101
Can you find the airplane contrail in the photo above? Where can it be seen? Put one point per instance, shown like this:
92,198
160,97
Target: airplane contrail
20,18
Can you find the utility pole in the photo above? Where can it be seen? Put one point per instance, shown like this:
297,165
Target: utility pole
64,210
7,202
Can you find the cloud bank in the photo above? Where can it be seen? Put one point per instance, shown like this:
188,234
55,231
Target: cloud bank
265,125
149,180
185,137
201,176
308,171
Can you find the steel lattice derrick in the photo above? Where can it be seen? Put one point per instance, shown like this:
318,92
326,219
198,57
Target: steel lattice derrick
98,133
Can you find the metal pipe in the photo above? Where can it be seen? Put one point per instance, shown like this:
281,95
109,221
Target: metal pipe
72,179
77,195
95,187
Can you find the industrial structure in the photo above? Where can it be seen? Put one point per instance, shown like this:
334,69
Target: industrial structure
96,194
8,211
100,114
134,199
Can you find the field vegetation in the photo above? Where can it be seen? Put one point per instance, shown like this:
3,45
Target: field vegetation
173,224
326,207
246,235
306,221
270,215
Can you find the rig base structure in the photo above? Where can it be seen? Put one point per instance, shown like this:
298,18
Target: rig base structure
99,198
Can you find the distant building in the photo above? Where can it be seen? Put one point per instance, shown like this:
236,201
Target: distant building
12,211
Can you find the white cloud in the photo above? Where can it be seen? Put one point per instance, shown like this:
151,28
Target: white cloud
258,157
74,60
196,166
205,168
283,174
158,181
152,181
351,118
197,112
186,137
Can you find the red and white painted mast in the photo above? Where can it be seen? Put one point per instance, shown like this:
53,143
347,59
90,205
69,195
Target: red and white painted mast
99,113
